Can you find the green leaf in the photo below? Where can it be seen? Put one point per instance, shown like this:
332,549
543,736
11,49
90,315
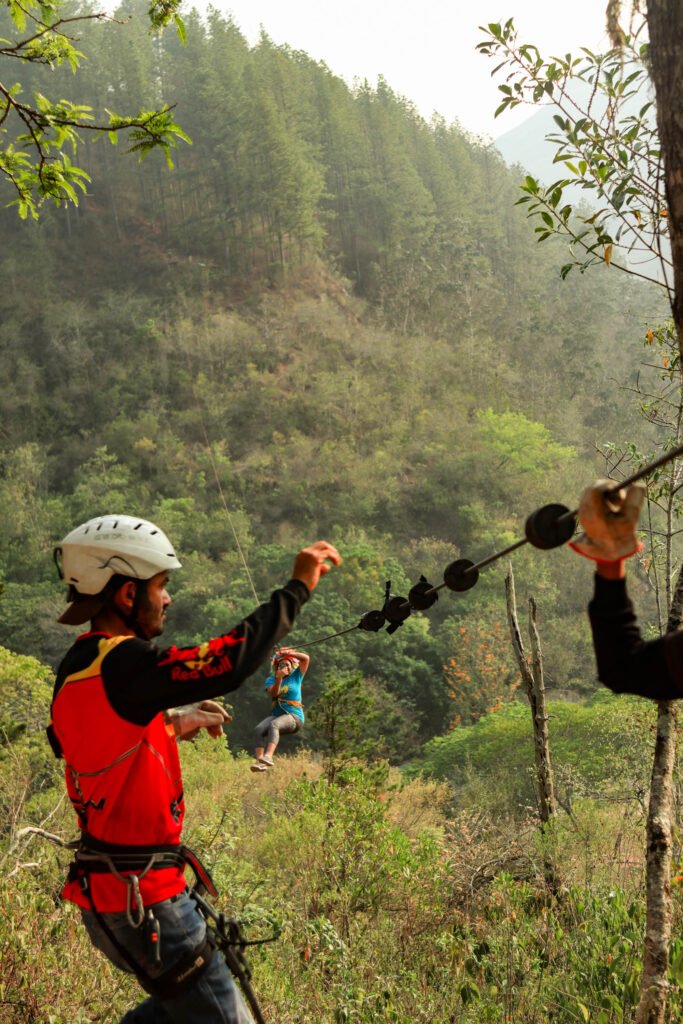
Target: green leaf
180,29
676,968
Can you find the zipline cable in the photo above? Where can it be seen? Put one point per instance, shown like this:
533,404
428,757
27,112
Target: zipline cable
214,467
641,473
479,565
322,639
227,510
550,526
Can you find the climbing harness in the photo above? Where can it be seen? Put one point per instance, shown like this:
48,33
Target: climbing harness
550,526
131,863
283,700
228,938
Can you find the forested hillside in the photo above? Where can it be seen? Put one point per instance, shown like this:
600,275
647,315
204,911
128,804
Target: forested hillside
335,304
338,303
329,319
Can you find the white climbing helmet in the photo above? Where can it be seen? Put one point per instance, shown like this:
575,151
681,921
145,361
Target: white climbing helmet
107,546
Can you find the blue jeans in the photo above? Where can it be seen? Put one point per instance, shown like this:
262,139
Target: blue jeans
213,999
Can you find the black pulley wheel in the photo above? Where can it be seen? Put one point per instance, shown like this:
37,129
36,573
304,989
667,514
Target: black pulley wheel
422,596
550,527
372,622
460,575
396,610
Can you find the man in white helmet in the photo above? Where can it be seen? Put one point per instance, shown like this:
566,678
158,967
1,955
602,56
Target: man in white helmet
120,704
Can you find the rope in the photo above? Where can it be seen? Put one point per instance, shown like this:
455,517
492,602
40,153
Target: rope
227,510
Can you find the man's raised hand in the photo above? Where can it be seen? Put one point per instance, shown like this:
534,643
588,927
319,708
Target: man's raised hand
314,561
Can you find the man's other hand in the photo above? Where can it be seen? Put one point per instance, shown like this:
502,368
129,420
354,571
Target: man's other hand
188,720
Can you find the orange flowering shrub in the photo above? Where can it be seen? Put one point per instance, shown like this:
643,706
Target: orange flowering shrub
481,675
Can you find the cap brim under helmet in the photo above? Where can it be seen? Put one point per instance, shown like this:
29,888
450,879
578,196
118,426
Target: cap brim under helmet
83,609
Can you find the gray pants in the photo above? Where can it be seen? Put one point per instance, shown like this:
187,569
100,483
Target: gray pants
269,730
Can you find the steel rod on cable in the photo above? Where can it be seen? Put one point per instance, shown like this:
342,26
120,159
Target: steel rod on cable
499,554
320,640
646,470
638,475
548,527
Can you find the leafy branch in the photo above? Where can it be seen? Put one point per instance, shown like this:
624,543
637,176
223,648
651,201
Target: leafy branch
34,136
603,143
661,404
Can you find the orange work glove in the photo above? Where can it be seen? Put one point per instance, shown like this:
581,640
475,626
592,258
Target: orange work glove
609,521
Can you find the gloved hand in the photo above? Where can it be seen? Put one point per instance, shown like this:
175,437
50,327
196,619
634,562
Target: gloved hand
188,720
609,521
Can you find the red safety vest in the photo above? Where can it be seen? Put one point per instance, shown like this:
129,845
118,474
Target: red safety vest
124,781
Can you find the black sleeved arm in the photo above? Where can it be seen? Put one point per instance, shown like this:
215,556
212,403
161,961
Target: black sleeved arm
141,679
626,662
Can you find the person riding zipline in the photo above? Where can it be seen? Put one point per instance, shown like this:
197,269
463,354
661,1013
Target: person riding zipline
120,705
626,663
283,686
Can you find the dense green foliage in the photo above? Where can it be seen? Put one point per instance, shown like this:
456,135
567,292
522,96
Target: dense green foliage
333,308
600,746
605,139
332,316
390,904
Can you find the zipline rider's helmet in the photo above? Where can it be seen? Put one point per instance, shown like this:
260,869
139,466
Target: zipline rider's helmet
106,549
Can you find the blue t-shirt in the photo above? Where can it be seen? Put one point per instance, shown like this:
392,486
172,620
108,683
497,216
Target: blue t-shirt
290,689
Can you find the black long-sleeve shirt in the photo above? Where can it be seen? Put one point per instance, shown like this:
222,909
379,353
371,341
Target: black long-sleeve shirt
626,662
140,679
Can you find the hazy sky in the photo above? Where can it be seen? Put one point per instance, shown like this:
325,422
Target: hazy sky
425,50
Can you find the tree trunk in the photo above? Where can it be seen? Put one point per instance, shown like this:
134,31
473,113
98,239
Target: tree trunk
654,990
532,675
541,735
665,26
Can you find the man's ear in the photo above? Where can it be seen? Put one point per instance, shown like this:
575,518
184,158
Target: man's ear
124,598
